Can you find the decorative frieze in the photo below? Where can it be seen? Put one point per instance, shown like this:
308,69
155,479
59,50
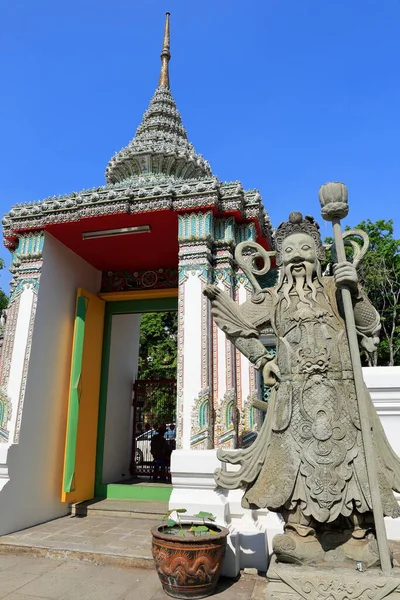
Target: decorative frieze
26,262
195,240
246,232
8,346
195,226
206,366
224,231
251,419
123,281
202,422
30,246
224,239
227,421
5,415
8,342
223,267
28,276
136,194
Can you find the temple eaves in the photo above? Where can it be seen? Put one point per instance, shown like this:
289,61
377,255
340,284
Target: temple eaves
161,143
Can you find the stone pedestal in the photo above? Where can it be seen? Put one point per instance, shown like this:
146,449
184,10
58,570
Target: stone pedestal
292,582
194,489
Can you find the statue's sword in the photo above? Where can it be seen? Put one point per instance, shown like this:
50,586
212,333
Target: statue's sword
333,198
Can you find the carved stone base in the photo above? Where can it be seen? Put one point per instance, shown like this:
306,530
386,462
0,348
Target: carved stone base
292,582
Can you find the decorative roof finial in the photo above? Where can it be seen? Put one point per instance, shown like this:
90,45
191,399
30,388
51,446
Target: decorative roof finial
165,56
161,145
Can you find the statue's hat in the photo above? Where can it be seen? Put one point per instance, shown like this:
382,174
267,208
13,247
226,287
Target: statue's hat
298,224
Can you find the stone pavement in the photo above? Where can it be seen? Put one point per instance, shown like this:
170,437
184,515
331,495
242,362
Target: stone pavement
96,557
107,540
33,578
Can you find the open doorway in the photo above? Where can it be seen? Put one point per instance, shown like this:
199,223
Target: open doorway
138,399
154,397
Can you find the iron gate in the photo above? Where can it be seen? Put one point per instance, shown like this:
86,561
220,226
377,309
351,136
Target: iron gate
154,404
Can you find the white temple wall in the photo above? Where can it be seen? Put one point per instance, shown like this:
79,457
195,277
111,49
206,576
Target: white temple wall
32,468
251,532
124,355
384,386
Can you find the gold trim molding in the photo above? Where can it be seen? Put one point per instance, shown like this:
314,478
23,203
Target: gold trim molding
139,295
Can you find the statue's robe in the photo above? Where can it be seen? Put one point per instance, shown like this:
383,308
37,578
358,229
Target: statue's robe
309,453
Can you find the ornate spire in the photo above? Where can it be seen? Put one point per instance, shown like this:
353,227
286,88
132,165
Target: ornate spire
160,144
165,55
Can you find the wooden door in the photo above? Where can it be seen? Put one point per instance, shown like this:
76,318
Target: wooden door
83,404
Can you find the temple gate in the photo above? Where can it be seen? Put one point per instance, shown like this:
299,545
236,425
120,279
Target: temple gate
85,266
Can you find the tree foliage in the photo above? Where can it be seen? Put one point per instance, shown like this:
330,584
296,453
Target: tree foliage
3,300
379,274
158,346
3,295
158,361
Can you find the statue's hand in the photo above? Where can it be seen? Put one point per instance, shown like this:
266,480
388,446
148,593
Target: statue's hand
271,373
346,274
370,344
211,291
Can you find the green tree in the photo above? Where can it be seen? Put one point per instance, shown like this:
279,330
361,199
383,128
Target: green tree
158,361
3,295
379,274
158,346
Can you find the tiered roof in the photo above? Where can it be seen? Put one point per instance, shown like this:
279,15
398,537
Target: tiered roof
158,170
161,143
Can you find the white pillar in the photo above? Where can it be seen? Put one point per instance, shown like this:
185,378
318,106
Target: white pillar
224,355
20,355
26,269
194,408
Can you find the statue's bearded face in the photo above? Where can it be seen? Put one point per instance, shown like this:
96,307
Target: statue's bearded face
300,266
299,255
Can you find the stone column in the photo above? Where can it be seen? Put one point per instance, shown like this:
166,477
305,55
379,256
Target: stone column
195,405
26,268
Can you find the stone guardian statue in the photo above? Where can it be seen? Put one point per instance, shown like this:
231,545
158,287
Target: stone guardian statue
308,461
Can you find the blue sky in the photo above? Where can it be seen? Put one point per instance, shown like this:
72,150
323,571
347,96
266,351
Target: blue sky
282,95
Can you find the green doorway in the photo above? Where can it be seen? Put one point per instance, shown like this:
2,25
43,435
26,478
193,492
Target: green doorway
118,314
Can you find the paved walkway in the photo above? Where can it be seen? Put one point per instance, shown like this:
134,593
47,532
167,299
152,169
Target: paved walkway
96,557
104,540
27,578
103,531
